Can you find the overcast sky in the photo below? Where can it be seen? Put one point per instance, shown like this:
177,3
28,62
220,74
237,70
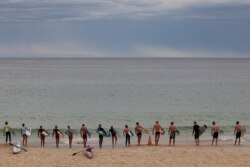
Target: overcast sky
125,28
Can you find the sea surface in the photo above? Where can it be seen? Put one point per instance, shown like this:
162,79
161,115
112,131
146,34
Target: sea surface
119,91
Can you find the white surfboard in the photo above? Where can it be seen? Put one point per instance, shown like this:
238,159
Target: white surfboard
28,132
45,133
17,148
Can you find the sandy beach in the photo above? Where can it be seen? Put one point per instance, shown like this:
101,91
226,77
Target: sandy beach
162,155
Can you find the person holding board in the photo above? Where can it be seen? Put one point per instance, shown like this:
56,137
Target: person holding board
57,133
126,131
171,132
69,132
84,132
196,133
157,130
101,133
24,129
113,134
6,132
42,134
237,132
138,130
215,133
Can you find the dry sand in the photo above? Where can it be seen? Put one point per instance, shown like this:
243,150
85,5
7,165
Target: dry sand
134,156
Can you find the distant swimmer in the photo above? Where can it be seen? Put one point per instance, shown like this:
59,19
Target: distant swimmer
84,133
113,134
215,133
196,133
126,131
24,134
237,132
70,133
101,133
42,134
157,132
57,133
171,132
138,130
6,132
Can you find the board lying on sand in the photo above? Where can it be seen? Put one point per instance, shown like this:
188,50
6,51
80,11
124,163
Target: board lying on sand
202,129
17,148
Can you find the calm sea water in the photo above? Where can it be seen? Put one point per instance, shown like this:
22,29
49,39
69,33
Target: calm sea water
123,91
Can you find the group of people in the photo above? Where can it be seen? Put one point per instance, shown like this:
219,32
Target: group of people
157,131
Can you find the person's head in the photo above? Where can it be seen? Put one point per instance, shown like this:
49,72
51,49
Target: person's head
100,125
137,123
172,123
41,127
23,124
83,125
126,126
237,122
6,123
213,123
156,122
195,123
68,127
111,127
55,126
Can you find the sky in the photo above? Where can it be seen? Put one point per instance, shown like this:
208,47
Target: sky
125,28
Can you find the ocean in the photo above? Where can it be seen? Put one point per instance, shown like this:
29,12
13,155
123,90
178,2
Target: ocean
119,91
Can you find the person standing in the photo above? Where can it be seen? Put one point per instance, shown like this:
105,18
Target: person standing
157,130
41,135
6,132
127,136
113,133
138,131
84,132
237,132
70,132
57,133
196,133
24,135
171,132
101,133
215,133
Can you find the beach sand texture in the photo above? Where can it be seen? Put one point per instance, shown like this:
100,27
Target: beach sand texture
147,156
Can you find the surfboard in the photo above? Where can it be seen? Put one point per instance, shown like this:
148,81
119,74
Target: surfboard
177,132
45,133
162,131
202,129
60,133
89,134
130,133
243,130
69,132
12,131
17,148
89,154
28,132
221,131
102,133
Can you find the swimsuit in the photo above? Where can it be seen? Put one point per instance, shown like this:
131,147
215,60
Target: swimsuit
215,135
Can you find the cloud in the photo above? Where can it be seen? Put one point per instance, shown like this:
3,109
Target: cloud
165,52
48,49
79,10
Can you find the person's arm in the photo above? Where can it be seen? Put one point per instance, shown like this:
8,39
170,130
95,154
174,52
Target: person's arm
38,133
193,131
235,129
53,133
169,130
153,130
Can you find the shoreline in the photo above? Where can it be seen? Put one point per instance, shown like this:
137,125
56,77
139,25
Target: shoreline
162,155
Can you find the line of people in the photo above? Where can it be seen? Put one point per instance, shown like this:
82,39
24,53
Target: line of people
157,131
